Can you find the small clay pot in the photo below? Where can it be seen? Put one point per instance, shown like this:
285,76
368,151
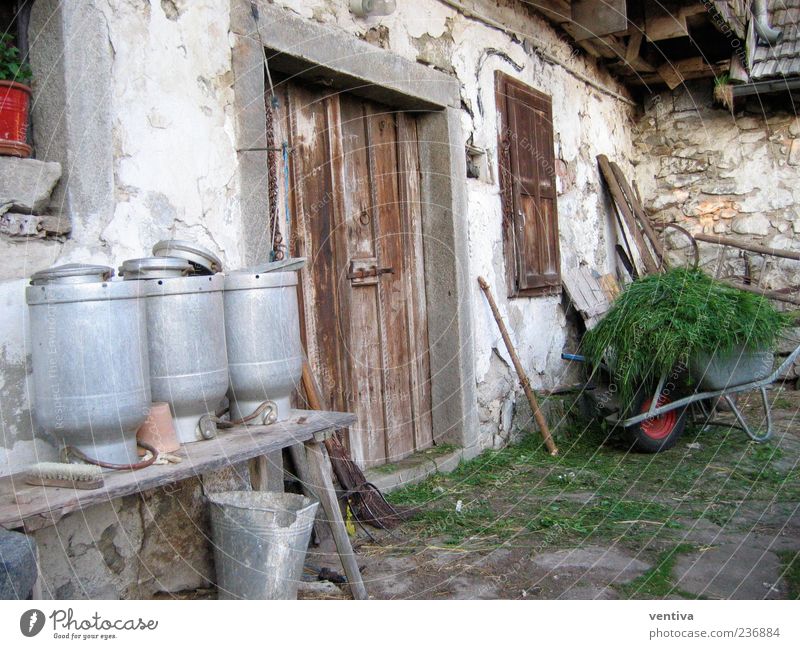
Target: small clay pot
158,430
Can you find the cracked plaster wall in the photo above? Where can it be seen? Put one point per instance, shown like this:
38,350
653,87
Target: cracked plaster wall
135,99
587,122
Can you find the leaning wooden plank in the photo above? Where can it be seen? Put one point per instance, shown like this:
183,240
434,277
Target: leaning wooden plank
630,220
638,212
38,507
587,294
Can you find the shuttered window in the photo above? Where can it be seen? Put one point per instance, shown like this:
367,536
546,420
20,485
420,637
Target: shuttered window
528,189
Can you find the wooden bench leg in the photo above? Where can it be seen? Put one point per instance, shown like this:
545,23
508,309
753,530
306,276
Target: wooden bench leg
266,472
320,480
298,455
36,592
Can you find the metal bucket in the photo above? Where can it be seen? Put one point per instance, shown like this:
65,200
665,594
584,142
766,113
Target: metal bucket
260,541
262,329
186,340
89,356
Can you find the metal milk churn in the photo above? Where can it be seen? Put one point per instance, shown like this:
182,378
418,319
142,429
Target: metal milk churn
262,328
185,338
90,363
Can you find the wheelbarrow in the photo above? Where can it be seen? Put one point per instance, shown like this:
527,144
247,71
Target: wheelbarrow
656,417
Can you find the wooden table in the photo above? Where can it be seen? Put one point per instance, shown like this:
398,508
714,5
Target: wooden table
32,508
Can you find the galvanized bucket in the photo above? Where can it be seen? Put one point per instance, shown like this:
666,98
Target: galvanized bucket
260,542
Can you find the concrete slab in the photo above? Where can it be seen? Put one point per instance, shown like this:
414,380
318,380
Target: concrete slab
730,571
608,565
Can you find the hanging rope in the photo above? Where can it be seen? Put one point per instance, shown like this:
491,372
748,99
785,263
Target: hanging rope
285,148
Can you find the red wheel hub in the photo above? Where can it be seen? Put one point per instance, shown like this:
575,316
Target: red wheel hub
661,426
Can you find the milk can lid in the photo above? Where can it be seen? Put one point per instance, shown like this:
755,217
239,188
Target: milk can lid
154,268
206,262
72,274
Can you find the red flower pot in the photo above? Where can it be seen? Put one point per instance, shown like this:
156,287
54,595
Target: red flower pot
15,99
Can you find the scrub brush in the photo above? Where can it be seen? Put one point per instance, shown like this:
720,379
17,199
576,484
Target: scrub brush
60,474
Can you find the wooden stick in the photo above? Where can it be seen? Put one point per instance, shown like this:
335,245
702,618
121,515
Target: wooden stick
639,213
312,389
746,245
789,298
523,377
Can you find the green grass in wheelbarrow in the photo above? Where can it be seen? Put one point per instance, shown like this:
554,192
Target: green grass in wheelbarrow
660,322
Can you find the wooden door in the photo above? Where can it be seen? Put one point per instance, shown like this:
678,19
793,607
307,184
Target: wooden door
354,190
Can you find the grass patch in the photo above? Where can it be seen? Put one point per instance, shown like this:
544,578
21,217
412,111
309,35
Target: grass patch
791,573
596,491
657,582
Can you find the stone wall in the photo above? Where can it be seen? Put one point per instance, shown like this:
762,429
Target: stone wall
732,174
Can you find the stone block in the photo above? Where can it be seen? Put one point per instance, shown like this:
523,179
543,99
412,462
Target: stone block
794,153
757,224
749,123
27,184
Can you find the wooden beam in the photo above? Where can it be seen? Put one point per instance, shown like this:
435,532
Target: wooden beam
688,69
596,18
663,20
634,45
557,11
321,482
670,75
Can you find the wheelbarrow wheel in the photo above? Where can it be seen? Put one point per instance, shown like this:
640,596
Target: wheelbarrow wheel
657,433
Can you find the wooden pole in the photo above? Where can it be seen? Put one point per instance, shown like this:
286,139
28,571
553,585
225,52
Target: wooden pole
523,377
746,245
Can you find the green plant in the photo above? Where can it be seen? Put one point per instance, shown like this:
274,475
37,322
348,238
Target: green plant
12,67
661,321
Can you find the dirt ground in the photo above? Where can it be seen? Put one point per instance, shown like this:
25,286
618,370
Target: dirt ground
715,517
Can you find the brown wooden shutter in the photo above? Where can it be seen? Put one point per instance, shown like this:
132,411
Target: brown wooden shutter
527,182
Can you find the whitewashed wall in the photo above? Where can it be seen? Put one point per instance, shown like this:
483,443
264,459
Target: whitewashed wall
153,155
159,79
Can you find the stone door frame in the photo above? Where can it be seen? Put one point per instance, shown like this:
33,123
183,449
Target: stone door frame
328,55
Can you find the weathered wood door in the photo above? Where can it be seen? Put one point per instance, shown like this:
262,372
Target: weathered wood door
528,187
354,192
